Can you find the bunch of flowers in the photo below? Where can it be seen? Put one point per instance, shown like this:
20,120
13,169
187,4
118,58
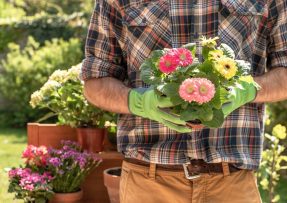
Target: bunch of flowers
69,166
63,95
32,183
51,170
197,90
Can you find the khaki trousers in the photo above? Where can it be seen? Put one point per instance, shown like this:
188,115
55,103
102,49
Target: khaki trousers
140,184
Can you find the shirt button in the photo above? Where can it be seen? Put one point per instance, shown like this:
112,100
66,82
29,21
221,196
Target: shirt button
144,20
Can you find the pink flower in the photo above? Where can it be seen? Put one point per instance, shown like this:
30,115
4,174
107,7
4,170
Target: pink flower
35,155
184,56
200,90
168,63
19,172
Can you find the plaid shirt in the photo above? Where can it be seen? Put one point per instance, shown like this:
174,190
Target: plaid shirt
123,33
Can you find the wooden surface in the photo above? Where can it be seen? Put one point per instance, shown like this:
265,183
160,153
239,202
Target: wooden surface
94,189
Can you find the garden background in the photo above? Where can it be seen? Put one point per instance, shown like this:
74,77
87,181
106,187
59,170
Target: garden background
38,37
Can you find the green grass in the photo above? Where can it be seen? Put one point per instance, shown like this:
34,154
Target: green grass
13,142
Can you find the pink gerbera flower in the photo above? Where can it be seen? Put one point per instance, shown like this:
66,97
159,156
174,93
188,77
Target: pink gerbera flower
168,63
184,56
200,90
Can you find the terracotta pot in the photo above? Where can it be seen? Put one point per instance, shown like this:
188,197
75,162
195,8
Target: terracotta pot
112,182
196,124
91,139
73,197
49,135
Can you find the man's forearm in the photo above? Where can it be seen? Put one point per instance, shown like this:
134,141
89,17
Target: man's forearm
107,93
273,86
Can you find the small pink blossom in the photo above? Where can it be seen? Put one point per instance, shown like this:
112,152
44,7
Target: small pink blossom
200,90
35,155
184,56
19,172
168,63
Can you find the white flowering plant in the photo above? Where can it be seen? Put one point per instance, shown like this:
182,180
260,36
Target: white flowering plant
63,95
197,90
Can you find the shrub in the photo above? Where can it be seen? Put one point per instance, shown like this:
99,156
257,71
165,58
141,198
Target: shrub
10,11
42,27
25,71
54,6
273,162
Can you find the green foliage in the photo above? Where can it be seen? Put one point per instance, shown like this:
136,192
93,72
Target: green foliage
26,70
55,6
42,27
272,162
277,114
10,11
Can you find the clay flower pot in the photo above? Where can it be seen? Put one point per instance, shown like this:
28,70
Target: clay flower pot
73,197
112,183
92,139
195,124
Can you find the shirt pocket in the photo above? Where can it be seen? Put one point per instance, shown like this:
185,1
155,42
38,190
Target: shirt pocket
146,28
145,14
239,23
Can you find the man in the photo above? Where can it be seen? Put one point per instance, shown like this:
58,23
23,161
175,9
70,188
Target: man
166,161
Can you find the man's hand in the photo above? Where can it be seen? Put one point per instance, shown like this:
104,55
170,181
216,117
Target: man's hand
245,93
146,103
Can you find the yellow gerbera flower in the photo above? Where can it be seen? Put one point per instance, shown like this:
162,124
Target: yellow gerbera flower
210,42
215,55
226,67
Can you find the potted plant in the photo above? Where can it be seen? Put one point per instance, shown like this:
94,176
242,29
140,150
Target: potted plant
63,95
52,174
69,167
32,183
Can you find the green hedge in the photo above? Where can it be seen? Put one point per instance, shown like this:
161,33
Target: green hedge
8,10
24,71
42,27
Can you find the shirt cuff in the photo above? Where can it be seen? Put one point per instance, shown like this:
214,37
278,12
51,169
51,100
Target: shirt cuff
277,60
93,67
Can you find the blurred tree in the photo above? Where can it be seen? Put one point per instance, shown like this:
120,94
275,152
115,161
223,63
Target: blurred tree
24,71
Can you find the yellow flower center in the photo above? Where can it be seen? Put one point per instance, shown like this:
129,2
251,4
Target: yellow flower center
189,89
203,89
182,57
167,63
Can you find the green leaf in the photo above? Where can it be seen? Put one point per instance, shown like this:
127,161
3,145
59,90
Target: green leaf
216,101
171,90
217,120
191,47
192,112
156,54
205,113
147,74
206,67
223,95
205,51
227,50
189,114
